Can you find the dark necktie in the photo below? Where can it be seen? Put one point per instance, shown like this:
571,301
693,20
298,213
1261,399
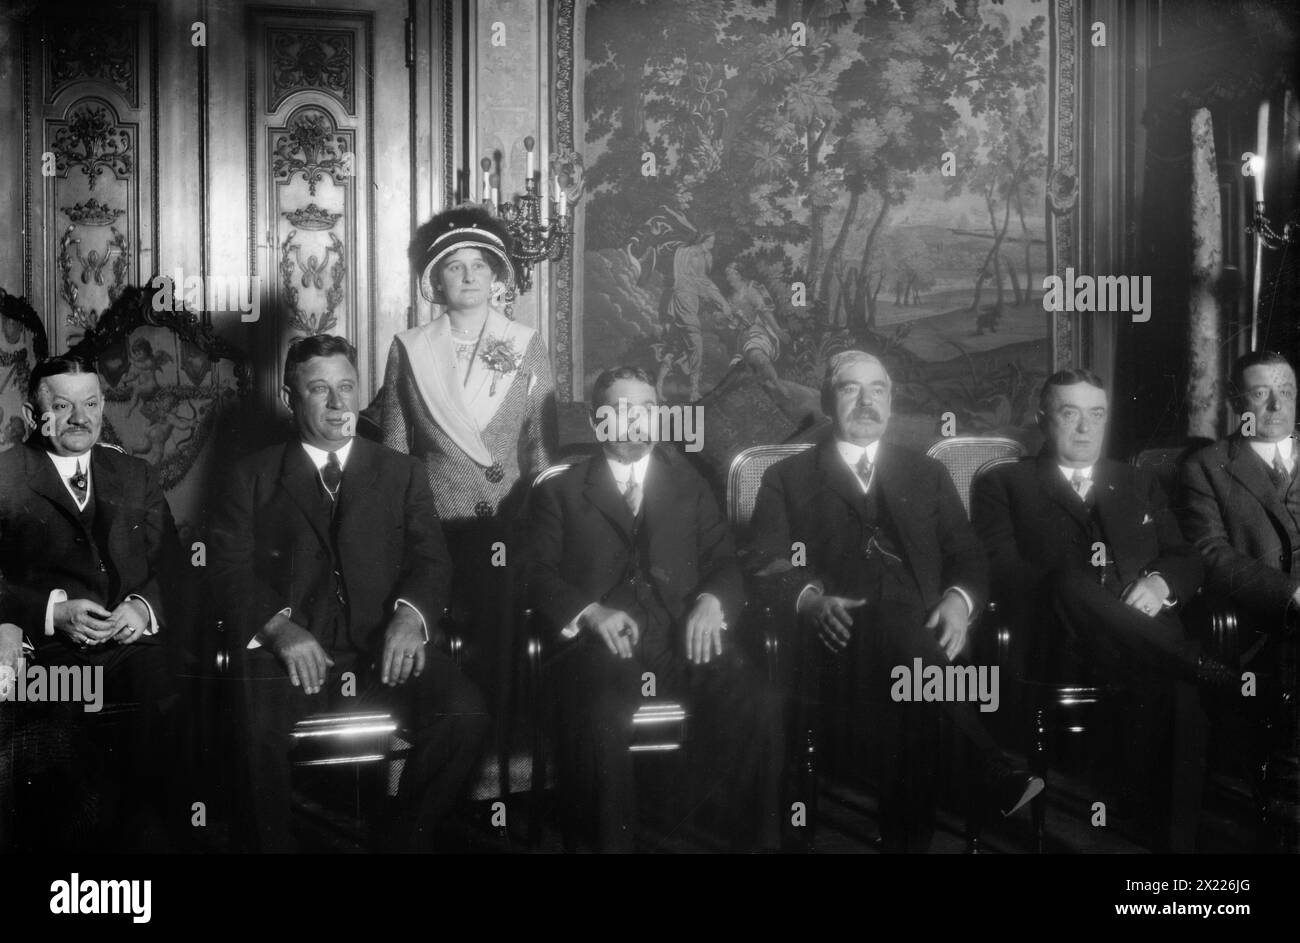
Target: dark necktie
1281,477
1079,482
332,476
865,469
632,493
80,486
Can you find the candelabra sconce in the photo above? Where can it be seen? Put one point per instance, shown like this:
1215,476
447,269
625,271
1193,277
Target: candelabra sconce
535,240
1269,237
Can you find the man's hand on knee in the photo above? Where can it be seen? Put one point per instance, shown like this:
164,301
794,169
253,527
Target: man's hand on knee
84,621
1148,595
302,656
830,616
614,627
131,618
403,655
952,618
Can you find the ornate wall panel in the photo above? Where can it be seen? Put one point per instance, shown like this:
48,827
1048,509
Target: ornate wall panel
311,208
90,201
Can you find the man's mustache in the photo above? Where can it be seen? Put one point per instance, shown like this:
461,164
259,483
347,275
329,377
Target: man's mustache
866,412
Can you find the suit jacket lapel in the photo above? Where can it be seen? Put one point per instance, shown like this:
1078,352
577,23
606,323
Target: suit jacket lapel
659,502
43,478
106,490
837,477
1113,506
300,480
896,492
1059,490
601,490
358,481
1251,473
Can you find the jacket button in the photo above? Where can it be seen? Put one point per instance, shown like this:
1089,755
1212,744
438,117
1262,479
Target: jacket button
494,473
102,568
483,509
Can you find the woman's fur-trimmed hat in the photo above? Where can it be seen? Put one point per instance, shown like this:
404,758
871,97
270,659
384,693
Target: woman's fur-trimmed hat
463,227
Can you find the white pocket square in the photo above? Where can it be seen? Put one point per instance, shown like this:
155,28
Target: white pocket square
1147,518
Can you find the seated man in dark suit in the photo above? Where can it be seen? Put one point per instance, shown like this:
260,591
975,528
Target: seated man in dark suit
632,561
1093,569
869,545
329,554
1239,503
84,533
1240,506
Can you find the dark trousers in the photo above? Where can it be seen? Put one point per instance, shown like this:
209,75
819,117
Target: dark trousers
1163,734
733,753
139,674
895,743
441,712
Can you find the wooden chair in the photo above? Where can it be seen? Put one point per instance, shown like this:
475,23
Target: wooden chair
1055,706
1163,463
964,455
657,728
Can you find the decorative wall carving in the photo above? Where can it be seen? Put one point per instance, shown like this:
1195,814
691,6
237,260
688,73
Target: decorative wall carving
313,148
310,59
98,51
90,270
93,140
295,272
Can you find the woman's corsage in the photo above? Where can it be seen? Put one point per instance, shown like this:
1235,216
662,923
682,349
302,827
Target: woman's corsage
499,355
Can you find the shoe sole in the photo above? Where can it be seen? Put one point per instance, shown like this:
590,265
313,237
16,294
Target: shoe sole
1035,786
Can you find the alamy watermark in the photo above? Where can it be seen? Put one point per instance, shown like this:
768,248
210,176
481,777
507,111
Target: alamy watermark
634,422
1104,293
67,684
933,683
210,293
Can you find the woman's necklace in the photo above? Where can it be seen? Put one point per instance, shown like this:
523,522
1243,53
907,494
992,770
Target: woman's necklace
465,350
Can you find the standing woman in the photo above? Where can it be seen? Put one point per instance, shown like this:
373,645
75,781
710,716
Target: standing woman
471,395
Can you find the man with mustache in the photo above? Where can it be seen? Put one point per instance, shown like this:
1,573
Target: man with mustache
632,564
869,545
84,535
1093,570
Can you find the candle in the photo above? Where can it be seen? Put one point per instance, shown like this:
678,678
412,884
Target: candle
562,200
530,164
1261,150
496,197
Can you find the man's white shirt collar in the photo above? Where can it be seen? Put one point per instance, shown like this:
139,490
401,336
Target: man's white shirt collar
1069,472
67,466
852,454
1267,450
622,470
320,457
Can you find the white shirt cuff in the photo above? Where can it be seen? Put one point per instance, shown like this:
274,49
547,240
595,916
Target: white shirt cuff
719,602
1171,600
424,626
573,628
965,597
810,588
256,642
152,628
56,596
